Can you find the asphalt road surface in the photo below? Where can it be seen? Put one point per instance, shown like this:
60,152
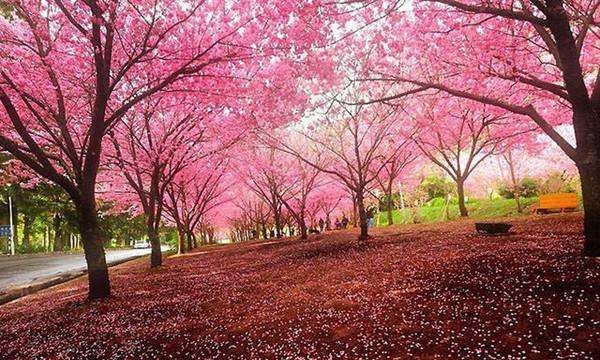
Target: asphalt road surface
20,270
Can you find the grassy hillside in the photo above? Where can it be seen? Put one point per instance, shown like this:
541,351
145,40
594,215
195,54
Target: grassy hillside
434,211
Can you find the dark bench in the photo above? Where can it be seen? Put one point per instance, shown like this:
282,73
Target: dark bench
492,227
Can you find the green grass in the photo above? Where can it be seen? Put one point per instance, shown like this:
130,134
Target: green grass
478,209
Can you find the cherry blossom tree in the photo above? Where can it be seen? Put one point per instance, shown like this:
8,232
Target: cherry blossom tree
353,144
511,164
534,59
253,208
266,175
458,138
192,195
303,179
329,198
392,171
64,83
71,70
150,147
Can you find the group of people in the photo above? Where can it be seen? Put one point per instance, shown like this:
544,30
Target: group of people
321,226
343,223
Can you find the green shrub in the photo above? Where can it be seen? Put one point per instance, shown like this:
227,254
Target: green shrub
31,248
437,186
528,187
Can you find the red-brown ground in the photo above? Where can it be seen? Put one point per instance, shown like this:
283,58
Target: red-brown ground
426,291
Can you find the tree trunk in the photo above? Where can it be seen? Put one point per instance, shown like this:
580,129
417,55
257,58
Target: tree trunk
56,224
362,217
460,189
401,196
390,205
203,239
277,218
27,220
93,245
585,124
354,211
590,186
152,232
188,240
257,230
181,242
15,205
303,230
64,236
264,230
156,254
518,201
47,239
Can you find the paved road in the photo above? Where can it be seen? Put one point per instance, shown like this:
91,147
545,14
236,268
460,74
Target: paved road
22,270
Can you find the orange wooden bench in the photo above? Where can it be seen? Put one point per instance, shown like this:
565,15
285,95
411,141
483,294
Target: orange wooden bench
556,202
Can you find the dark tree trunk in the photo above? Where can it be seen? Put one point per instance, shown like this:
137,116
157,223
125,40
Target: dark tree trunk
27,221
264,230
15,205
277,218
355,211
203,240
303,230
590,186
65,240
93,245
460,189
190,245
156,254
586,123
57,225
181,239
362,217
390,205
191,239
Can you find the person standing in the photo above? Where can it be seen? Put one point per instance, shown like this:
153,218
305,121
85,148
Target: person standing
344,222
370,221
370,217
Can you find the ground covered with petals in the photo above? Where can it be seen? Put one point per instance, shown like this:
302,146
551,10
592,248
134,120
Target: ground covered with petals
428,291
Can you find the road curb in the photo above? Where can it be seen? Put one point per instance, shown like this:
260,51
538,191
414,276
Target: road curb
15,293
